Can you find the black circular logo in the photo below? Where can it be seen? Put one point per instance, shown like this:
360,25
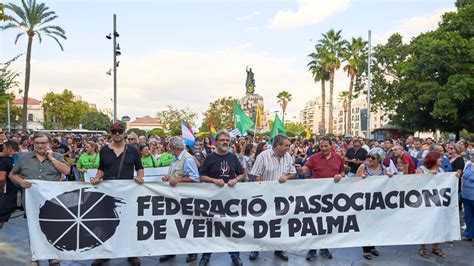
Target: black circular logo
79,220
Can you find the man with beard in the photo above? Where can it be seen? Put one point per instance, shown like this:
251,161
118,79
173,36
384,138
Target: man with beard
221,167
117,161
324,164
355,156
274,164
41,164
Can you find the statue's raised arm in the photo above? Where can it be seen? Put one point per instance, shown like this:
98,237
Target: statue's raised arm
250,81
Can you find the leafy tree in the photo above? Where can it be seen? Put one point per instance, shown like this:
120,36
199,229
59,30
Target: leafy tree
171,116
332,51
32,19
319,72
156,131
3,17
62,111
7,82
137,131
355,54
294,127
221,112
431,78
284,98
95,120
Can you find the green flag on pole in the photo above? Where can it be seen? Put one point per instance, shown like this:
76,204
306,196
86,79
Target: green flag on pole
242,121
277,128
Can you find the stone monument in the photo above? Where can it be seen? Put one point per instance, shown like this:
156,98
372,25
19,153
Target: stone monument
250,101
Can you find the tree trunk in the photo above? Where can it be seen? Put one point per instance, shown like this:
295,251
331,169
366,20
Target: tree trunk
283,108
331,96
349,106
322,127
24,113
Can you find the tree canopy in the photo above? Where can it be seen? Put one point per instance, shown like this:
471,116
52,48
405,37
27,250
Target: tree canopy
171,118
221,113
62,111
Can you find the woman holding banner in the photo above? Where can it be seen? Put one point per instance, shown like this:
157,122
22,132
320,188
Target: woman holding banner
372,167
431,165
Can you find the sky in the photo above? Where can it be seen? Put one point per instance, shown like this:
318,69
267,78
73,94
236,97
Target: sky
188,53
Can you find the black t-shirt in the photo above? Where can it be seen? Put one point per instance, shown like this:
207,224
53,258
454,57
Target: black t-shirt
109,163
360,154
6,165
457,164
224,167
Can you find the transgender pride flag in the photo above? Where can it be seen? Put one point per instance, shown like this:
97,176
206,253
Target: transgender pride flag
187,135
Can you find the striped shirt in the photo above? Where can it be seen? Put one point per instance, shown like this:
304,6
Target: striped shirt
268,167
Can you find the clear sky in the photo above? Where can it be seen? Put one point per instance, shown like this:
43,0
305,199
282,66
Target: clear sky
192,52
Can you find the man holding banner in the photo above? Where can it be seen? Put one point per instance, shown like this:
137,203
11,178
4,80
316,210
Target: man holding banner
118,161
324,164
274,164
183,170
220,168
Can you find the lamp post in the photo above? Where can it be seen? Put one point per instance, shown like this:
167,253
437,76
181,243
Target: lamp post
116,52
8,110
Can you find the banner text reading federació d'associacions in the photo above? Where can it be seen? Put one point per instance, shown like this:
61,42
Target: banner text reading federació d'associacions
75,221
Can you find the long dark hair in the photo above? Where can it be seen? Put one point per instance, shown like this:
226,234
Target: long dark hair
260,148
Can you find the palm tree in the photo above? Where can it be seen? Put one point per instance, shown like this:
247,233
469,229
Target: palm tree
333,44
355,54
32,19
320,73
284,98
344,98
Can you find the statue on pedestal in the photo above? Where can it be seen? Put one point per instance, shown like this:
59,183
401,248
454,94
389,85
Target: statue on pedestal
249,82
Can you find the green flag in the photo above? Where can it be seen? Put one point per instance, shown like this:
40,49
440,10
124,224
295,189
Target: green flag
242,121
277,128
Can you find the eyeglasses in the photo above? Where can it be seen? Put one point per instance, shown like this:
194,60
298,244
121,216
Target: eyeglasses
372,157
41,142
131,138
115,131
224,140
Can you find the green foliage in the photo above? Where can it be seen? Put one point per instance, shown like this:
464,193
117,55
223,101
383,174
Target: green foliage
156,131
137,131
171,116
284,98
294,127
15,112
221,113
62,111
95,120
428,83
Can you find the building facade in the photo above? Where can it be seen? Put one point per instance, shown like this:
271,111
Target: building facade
35,116
145,123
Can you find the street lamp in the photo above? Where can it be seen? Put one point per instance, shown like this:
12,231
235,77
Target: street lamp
116,52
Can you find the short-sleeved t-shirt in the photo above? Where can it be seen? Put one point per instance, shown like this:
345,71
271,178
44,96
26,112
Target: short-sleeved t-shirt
406,159
323,167
224,167
88,161
29,166
360,154
109,163
6,165
149,162
457,164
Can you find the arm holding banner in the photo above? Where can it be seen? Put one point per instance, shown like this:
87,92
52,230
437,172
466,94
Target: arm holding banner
98,177
207,179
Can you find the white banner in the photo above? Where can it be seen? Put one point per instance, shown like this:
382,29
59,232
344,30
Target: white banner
76,221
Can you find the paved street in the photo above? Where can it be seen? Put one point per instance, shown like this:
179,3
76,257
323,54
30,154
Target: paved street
14,250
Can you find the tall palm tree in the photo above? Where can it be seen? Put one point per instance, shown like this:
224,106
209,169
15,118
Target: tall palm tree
320,73
284,98
32,19
355,55
333,44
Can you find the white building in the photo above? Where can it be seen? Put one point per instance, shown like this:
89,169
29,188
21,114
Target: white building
35,116
312,113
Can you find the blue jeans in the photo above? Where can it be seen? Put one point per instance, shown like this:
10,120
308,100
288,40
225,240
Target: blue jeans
468,217
208,255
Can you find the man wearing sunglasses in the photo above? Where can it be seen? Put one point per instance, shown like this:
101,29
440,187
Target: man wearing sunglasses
118,161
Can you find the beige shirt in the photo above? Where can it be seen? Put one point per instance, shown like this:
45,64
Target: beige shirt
268,167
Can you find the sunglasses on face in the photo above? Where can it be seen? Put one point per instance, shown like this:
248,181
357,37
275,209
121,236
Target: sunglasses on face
115,131
372,157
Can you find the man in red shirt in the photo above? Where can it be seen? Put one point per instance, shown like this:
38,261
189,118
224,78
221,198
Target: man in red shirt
407,162
324,164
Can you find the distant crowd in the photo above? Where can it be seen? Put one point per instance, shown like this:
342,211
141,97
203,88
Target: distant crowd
227,160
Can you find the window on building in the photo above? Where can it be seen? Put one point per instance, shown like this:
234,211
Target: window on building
30,117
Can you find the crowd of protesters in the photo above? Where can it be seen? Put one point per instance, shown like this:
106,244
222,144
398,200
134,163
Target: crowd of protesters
227,160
